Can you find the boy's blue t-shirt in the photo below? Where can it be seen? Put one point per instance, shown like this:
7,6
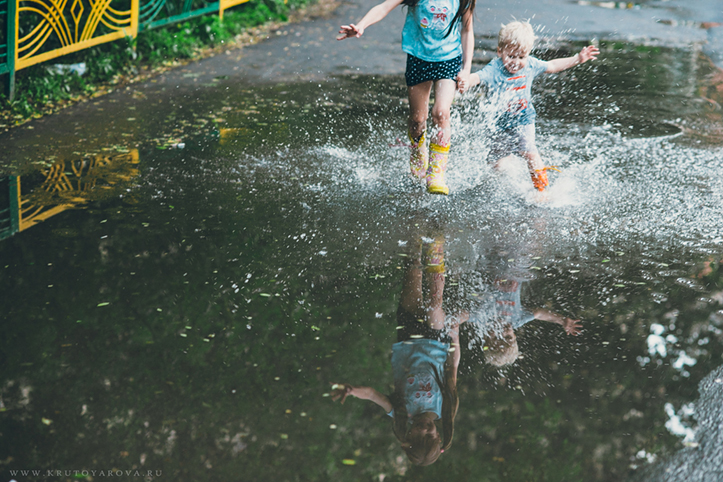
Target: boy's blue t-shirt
503,305
425,28
413,364
512,93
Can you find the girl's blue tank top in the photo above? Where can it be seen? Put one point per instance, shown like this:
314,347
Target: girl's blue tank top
425,28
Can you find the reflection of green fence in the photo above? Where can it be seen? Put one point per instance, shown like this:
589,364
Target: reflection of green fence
9,221
34,31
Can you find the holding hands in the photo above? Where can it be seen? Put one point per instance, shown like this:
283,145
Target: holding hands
463,81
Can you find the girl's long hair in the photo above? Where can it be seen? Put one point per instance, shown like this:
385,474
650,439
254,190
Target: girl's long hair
464,6
450,404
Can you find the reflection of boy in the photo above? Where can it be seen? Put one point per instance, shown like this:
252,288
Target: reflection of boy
504,313
508,78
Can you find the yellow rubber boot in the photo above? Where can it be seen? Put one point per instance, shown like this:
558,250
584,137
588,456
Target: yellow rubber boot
419,157
433,258
436,183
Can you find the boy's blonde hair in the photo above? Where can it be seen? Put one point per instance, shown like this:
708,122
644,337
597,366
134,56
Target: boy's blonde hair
518,35
504,355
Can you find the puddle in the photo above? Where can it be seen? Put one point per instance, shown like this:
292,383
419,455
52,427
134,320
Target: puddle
190,314
612,5
33,198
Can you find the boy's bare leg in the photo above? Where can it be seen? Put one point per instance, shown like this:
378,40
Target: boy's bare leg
501,163
538,171
534,161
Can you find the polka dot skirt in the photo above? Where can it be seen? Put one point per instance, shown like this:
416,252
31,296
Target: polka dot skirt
419,70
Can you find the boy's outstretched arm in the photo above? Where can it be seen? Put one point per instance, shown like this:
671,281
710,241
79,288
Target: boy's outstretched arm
558,65
572,327
341,390
373,16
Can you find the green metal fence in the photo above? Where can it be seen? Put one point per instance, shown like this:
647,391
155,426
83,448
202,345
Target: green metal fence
157,13
7,44
34,31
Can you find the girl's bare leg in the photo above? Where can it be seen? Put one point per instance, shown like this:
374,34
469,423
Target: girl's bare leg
434,283
435,313
444,91
440,139
411,299
418,108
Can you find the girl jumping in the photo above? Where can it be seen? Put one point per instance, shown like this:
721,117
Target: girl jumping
439,53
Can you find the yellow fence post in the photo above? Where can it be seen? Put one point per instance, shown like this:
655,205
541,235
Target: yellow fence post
135,7
224,4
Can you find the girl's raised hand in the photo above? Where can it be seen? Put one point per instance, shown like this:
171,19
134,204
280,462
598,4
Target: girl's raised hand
588,53
349,31
340,390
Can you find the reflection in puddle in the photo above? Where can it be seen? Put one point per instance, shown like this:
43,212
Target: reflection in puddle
425,359
64,185
612,5
270,255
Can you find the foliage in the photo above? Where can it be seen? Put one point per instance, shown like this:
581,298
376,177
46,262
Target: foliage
40,89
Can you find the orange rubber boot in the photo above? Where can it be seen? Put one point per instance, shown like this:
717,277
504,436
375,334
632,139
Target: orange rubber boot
539,177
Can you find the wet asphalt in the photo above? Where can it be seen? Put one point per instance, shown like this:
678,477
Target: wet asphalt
308,51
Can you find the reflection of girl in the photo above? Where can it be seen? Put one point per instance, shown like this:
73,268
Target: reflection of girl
424,364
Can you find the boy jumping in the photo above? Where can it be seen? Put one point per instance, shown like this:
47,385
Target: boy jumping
508,80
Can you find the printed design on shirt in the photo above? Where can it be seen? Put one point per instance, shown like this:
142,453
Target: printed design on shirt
516,90
505,307
437,17
422,387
